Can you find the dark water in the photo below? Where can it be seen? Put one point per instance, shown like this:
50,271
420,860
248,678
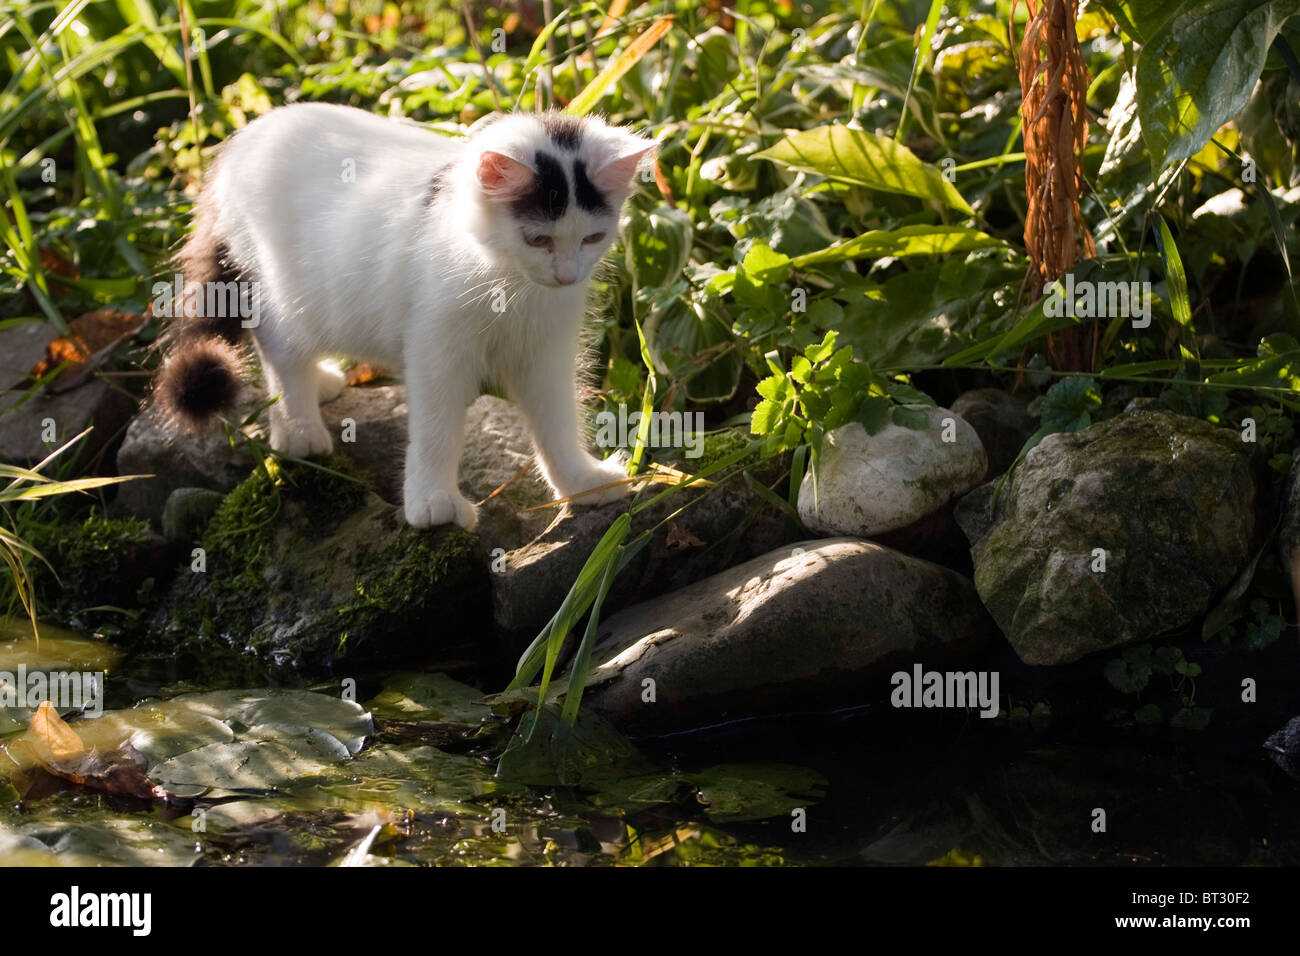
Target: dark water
862,786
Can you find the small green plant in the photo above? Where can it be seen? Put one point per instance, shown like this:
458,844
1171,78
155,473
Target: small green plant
1131,673
26,486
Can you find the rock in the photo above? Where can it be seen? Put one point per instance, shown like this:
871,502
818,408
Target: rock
179,459
530,582
1002,422
24,430
498,445
787,630
1170,500
22,347
307,574
869,484
370,428
1284,747
187,512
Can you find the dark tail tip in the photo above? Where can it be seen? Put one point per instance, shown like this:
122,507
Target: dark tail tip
200,379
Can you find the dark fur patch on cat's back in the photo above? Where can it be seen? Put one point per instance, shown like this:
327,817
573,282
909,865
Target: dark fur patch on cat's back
565,131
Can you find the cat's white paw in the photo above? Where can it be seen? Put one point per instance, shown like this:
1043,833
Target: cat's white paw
432,508
301,440
612,469
330,382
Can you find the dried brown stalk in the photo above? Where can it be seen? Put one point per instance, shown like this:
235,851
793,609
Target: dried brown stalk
1054,87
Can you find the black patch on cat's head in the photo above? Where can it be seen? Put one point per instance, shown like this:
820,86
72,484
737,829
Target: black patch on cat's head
549,197
565,131
588,196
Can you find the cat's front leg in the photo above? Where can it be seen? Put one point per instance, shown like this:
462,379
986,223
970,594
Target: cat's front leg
548,399
437,402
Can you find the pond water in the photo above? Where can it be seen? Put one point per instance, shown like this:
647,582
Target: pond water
410,777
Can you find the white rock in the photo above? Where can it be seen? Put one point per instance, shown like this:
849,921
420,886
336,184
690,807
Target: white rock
869,484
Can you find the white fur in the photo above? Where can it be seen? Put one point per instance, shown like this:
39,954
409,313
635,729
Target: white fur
366,269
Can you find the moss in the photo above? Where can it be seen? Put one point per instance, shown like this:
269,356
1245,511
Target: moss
415,578
306,566
94,561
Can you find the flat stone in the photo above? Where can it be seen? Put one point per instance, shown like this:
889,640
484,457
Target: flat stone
814,626
24,429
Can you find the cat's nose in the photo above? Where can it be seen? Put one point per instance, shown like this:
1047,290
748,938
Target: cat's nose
565,279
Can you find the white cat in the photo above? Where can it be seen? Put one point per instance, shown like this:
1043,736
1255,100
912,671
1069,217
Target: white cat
458,261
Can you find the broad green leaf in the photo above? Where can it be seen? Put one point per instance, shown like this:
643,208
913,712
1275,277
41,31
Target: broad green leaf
906,241
856,156
1198,68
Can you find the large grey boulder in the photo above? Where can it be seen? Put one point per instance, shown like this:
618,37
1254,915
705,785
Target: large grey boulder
825,622
868,484
1119,532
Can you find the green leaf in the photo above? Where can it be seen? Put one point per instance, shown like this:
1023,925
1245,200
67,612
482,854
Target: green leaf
1067,406
822,351
865,159
913,418
1127,676
874,414
1197,71
905,241
1148,714
764,417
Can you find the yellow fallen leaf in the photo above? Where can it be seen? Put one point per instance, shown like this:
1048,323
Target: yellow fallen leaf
53,740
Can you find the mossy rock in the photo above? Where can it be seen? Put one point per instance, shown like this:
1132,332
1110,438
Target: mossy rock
308,572
1120,532
93,562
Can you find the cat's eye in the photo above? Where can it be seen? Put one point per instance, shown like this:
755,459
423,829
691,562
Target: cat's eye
594,237
539,242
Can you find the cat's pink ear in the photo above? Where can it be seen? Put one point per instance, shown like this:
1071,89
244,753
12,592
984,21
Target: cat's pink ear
502,177
615,174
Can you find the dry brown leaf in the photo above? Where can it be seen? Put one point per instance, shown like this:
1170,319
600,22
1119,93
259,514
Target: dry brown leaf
94,336
365,373
679,540
60,752
53,740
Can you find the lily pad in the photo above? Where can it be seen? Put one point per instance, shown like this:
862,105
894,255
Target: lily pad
736,792
223,742
429,697
97,838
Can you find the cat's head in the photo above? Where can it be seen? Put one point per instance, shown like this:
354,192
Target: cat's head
549,188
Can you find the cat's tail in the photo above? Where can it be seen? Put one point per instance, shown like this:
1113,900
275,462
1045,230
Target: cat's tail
201,375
